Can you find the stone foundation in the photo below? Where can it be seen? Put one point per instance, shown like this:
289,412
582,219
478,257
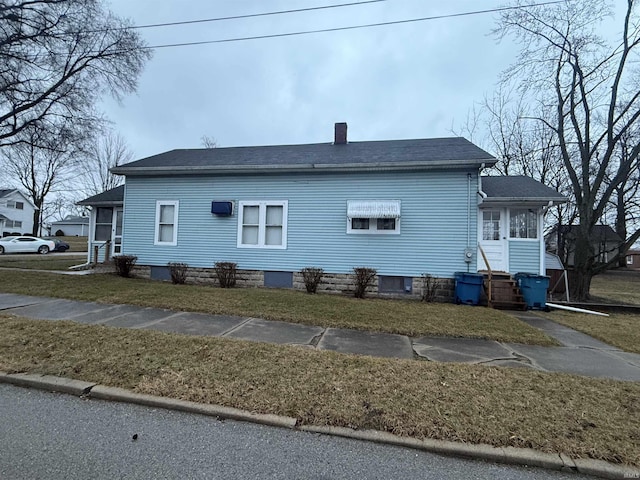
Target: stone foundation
334,283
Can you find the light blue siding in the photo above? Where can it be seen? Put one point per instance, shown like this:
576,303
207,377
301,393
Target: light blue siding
524,256
433,231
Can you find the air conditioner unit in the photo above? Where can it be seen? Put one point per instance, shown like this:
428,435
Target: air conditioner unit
222,208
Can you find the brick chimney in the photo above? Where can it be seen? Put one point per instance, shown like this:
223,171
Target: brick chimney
340,134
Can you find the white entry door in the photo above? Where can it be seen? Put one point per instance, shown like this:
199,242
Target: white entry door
492,237
116,233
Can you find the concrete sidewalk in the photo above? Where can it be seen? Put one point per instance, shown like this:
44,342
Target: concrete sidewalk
580,354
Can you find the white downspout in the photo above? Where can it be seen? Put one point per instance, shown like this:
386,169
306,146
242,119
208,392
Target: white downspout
543,270
468,210
480,191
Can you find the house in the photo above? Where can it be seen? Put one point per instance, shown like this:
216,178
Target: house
16,212
605,242
403,207
633,259
72,225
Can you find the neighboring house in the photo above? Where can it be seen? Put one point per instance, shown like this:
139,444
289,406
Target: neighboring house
605,242
403,207
72,225
105,224
16,212
633,258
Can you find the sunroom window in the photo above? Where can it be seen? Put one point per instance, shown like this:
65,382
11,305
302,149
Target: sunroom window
523,223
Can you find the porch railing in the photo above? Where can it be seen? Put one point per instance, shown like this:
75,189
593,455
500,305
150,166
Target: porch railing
96,252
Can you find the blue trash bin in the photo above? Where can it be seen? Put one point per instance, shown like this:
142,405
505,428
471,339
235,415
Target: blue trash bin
468,288
534,289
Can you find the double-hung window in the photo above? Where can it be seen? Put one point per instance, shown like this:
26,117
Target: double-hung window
166,232
262,224
523,223
16,205
373,216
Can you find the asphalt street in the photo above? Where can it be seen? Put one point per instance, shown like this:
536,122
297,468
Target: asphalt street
54,436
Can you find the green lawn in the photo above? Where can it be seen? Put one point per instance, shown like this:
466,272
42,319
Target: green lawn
76,244
619,330
51,261
394,316
578,416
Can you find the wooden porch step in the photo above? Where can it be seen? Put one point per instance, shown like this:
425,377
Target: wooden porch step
505,293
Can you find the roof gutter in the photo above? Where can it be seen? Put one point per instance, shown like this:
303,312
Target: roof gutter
100,204
324,167
545,200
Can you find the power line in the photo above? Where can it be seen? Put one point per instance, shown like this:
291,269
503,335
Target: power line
353,27
239,17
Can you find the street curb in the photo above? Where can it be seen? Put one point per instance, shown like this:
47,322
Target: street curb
507,455
48,382
121,395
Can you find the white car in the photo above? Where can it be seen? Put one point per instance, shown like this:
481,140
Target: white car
22,244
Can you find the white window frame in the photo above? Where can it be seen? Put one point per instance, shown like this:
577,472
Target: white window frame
373,227
159,204
528,210
369,212
262,220
13,224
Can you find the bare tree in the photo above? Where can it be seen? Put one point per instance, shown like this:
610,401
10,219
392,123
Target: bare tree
522,147
100,156
57,58
591,87
625,200
208,142
41,164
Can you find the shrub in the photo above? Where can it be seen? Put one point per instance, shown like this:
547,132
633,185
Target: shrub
226,273
124,264
59,233
430,286
178,272
364,278
312,276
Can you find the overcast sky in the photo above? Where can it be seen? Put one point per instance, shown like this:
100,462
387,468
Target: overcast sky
401,81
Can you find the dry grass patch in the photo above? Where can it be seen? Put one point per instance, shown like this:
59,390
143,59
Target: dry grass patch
617,286
393,316
41,262
504,407
619,330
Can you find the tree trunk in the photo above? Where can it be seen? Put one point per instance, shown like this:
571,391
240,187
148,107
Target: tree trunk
580,276
36,217
621,225
579,285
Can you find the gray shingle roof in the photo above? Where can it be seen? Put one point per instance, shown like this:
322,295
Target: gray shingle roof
516,187
6,191
72,220
390,154
599,233
108,197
